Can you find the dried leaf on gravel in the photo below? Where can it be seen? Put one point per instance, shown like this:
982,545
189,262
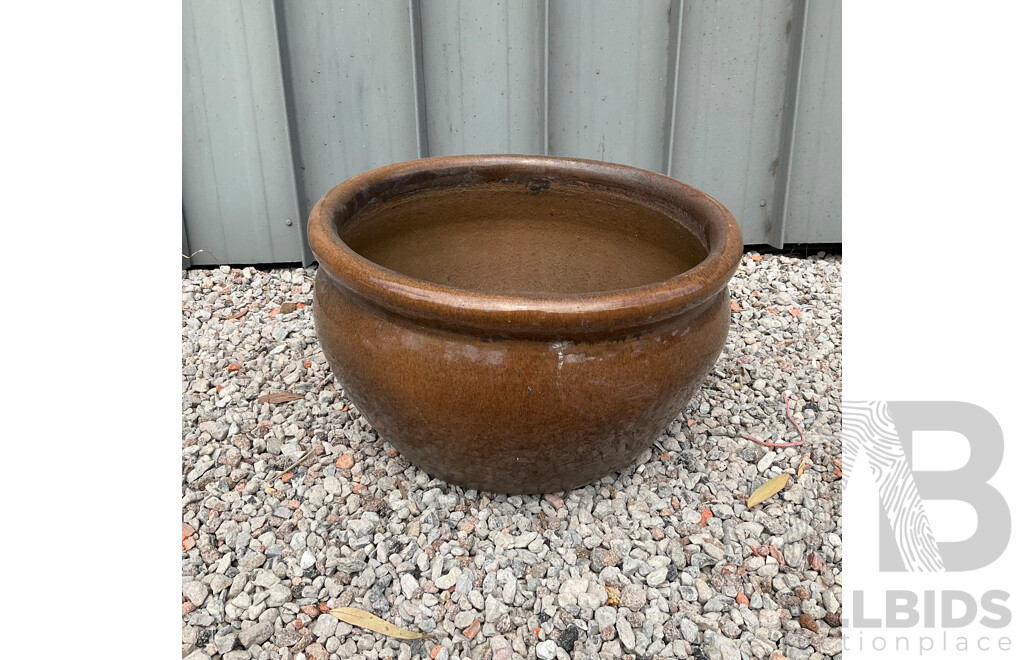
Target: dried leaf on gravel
234,316
803,464
357,617
613,596
279,397
767,489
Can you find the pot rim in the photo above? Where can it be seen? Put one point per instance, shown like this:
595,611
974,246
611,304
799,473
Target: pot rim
517,314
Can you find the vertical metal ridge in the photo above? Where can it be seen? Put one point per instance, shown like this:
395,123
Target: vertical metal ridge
256,132
675,49
798,30
206,127
291,130
547,88
419,89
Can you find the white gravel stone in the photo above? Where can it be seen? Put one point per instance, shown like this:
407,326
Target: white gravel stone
195,591
604,616
332,485
657,577
409,585
571,590
448,580
325,625
626,634
547,650
464,619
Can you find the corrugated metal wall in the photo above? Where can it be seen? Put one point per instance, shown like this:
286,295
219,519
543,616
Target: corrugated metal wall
283,100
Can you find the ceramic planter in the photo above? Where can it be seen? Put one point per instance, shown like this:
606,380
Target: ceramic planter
520,324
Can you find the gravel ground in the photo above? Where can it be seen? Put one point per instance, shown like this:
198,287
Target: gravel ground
695,573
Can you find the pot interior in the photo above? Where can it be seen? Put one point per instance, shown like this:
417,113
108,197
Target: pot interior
508,238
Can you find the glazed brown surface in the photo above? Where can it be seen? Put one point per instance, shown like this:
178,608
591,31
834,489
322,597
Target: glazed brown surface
520,323
505,238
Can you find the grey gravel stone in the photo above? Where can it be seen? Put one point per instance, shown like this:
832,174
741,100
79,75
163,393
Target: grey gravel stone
225,640
704,592
279,595
255,634
626,634
501,648
688,629
219,583
832,603
351,565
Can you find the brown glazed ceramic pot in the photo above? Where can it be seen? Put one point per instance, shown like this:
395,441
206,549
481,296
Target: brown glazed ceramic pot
520,324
